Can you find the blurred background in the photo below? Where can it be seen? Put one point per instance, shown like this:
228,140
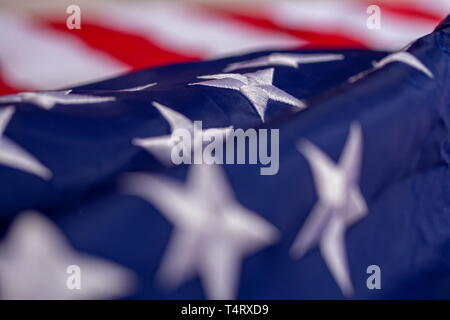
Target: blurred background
39,51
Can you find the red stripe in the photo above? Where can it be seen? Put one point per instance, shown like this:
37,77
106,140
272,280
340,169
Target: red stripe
5,88
131,49
406,10
316,39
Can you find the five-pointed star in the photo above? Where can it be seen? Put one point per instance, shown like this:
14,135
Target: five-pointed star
12,155
140,88
256,86
213,232
34,261
48,99
283,59
163,146
340,205
400,56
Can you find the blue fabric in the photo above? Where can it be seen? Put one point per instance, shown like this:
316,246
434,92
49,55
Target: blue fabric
405,179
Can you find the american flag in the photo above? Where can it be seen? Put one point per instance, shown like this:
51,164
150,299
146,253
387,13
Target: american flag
92,208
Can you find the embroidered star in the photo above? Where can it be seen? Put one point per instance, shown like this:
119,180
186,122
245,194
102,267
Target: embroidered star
400,56
256,87
283,59
163,146
35,259
340,205
14,156
140,88
49,99
212,233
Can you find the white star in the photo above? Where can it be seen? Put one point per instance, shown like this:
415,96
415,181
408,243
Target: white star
213,232
283,59
12,155
49,99
340,205
162,146
405,57
34,260
256,86
400,56
140,88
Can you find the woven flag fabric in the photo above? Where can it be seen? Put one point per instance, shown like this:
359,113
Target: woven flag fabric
93,206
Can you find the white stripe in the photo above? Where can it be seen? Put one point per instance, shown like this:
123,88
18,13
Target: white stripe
41,59
438,7
348,18
182,28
